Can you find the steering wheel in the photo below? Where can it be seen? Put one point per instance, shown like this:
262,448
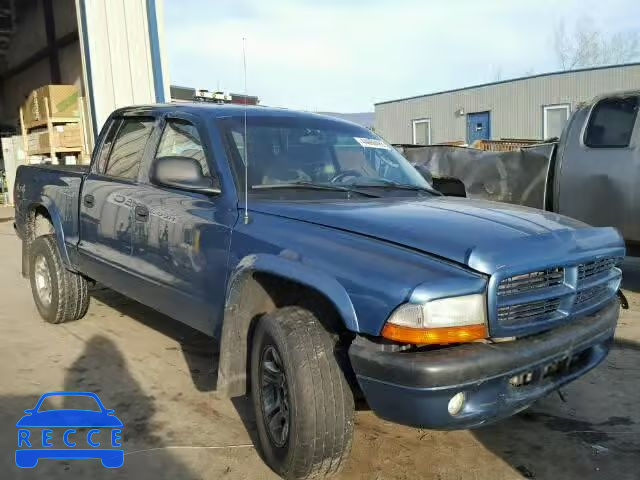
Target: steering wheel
347,173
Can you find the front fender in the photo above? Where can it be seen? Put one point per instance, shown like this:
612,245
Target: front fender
245,300
290,269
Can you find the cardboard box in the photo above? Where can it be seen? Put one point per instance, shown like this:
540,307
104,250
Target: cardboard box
64,136
63,105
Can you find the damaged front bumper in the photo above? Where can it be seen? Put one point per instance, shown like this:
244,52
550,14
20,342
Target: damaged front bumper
496,379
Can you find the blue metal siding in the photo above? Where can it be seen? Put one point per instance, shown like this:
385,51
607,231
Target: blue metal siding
156,59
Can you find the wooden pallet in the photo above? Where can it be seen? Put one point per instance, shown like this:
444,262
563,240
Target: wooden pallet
54,150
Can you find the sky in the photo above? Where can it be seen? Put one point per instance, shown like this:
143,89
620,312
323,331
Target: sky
344,56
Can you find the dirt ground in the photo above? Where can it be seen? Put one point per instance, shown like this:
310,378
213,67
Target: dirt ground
159,376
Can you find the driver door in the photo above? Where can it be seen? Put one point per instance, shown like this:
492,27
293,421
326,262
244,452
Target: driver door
181,238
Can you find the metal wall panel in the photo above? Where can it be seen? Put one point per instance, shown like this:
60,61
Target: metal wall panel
116,43
516,106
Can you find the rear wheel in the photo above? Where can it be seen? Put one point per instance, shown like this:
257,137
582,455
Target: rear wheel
303,404
60,295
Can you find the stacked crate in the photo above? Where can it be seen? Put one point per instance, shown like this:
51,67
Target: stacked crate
51,121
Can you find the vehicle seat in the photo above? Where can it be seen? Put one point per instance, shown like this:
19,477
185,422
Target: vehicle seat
314,161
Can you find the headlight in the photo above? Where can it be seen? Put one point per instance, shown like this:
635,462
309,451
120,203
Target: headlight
447,320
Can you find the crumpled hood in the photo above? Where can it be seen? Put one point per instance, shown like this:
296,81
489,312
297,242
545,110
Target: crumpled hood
477,233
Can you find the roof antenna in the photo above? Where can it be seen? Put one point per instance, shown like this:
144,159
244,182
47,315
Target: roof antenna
246,140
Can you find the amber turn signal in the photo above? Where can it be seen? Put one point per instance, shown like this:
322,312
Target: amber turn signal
434,336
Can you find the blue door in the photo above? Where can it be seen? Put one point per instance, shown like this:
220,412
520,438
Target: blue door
106,208
181,239
478,126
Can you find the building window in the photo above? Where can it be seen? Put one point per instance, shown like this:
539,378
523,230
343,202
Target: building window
555,118
422,131
611,123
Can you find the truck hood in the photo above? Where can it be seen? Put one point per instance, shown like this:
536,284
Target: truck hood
481,234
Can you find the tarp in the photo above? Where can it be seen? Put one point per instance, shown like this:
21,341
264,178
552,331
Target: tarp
517,177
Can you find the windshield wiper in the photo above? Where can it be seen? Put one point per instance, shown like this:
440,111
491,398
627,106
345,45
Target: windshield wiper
384,183
315,186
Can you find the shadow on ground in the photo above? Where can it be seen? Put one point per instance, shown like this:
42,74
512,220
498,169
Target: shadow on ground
199,351
101,368
595,434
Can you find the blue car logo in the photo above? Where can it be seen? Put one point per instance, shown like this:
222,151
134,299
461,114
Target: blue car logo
36,436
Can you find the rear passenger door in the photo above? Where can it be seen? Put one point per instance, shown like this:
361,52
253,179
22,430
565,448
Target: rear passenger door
106,202
181,238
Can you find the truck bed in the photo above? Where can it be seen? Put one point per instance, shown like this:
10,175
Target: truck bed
58,188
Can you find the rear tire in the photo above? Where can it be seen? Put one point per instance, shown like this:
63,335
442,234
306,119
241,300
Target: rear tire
60,295
292,359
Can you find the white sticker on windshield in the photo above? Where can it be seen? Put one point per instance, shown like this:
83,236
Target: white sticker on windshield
371,143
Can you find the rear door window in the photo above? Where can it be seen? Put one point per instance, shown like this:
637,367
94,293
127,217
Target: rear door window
128,147
105,148
611,123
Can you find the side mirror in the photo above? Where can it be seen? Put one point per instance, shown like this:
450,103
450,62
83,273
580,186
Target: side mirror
450,186
183,173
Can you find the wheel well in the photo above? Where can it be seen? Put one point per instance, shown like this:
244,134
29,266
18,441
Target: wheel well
38,223
283,292
262,293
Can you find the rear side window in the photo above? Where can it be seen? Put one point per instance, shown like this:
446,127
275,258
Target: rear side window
611,123
106,145
128,148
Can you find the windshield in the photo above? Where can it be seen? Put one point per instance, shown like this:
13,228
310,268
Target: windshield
292,151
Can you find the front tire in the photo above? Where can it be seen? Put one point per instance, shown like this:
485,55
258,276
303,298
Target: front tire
302,401
60,295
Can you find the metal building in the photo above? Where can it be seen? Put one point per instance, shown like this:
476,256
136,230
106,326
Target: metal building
534,107
110,50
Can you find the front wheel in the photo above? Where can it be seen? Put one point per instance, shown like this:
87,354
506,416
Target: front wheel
302,401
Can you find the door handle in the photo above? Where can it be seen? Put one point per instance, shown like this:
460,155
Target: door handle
141,212
89,200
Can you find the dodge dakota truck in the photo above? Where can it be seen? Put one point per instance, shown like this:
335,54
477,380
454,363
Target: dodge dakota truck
327,268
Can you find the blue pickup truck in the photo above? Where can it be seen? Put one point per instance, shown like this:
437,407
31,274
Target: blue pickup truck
328,270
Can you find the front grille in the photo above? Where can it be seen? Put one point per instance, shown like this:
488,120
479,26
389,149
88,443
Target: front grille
591,295
524,312
544,296
531,281
589,269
